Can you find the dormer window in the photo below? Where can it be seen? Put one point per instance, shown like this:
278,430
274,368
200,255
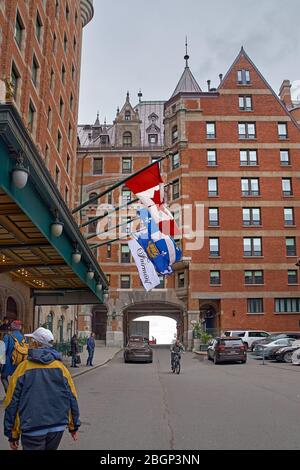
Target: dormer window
127,139
152,139
104,139
127,116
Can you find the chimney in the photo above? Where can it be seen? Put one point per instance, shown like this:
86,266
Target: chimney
208,85
285,93
220,77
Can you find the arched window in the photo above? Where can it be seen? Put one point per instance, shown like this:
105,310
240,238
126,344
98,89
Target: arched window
127,116
11,309
91,195
127,139
174,134
50,317
61,328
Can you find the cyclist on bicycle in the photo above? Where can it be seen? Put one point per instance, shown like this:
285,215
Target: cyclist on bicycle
176,348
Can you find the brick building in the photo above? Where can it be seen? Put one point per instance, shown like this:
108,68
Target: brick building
235,149
39,80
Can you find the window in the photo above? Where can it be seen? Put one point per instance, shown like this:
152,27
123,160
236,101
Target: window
97,166
65,43
248,158
104,139
73,72
76,17
19,27
289,216
38,27
246,130
210,130
214,247
57,174
71,101
126,195
245,103
46,155
67,12
175,161
282,130
175,190
215,278
250,186
161,284
285,305
251,216
125,254
243,77
125,225
56,8
63,74
180,280
126,165
52,79
61,107
211,157
213,216
108,279
290,245
127,116
292,276
252,247
127,139
125,281
255,305
152,139
109,198
91,197
68,163
286,184
34,70
285,157
74,44
108,251
59,139
70,132
31,116
174,134
254,277
66,194
155,159
212,186
49,117
15,79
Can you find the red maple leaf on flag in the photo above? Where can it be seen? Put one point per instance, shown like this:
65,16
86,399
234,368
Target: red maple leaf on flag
156,198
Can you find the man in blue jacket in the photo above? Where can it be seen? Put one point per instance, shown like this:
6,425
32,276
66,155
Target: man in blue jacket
9,368
90,346
41,399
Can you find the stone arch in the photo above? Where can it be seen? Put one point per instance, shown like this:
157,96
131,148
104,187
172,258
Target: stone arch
19,302
11,308
209,311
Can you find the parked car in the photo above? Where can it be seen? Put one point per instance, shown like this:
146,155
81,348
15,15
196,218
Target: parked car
285,354
274,336
268,350
248,336
227,348
138,350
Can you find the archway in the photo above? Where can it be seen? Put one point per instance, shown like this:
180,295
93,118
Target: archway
11,309
162,330
162,309
209,318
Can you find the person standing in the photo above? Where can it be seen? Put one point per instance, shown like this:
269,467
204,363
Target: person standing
5,325
41,399
9,341
74,350
90,349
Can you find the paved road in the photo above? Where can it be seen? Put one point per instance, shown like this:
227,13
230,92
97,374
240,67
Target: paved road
231,406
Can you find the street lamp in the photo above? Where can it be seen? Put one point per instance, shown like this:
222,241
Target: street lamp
20,173
57,226
90,273
76,255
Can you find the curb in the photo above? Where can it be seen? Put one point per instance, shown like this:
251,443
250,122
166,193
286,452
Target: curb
77,374
200,353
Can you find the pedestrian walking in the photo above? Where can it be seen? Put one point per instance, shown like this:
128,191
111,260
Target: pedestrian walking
74,350
14,341
41,398
90,346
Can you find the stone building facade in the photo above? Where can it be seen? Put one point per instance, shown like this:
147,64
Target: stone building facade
40,62
235,149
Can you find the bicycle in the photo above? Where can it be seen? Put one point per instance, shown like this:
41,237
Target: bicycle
176,363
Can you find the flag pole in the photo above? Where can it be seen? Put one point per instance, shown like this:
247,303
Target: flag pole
92,235
117,209
116,185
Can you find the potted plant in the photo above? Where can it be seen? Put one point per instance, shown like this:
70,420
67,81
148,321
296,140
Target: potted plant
205,337
197,331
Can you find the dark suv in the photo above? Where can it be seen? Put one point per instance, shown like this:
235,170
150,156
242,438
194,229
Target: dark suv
227,349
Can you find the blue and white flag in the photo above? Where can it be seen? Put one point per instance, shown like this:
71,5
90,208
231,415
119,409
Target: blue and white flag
161,249
147,273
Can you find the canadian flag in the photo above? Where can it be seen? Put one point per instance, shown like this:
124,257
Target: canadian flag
148,186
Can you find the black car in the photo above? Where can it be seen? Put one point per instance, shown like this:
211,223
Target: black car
227,349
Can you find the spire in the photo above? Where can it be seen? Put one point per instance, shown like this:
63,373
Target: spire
140,94
127,97
186,57
187,82
97,122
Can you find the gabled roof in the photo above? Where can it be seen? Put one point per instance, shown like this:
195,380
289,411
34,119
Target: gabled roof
187,83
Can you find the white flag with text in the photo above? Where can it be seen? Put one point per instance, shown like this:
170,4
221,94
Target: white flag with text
148,275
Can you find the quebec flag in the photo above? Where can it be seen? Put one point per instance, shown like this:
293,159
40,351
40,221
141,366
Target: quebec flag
161,249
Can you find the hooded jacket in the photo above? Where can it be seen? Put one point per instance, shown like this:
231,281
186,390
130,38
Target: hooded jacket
41,395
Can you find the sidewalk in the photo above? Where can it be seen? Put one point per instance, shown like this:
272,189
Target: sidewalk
102,356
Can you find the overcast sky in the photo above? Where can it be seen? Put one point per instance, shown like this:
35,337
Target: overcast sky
132,44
